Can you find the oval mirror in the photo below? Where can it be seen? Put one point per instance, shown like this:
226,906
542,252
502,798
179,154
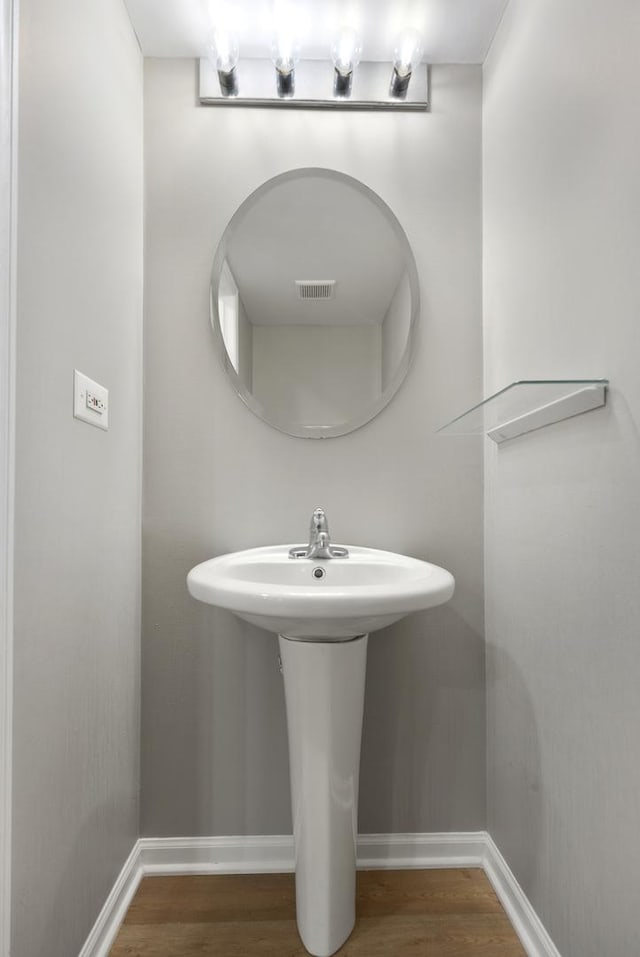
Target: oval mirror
314,298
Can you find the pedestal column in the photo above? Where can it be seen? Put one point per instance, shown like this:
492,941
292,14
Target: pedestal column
324,691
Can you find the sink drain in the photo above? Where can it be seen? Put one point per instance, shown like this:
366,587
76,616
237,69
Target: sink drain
318,572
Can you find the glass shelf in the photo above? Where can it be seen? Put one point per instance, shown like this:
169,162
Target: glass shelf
529,404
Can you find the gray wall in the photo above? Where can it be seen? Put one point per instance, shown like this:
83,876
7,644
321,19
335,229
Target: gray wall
77,522
562,298
214,757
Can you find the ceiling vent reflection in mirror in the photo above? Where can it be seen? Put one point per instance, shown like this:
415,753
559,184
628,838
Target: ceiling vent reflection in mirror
315,288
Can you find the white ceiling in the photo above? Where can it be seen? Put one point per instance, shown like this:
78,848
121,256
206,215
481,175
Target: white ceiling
454,31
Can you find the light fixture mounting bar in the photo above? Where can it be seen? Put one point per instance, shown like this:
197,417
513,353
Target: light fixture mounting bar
313,87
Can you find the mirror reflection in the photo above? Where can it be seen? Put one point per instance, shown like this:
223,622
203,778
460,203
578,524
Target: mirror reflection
314,297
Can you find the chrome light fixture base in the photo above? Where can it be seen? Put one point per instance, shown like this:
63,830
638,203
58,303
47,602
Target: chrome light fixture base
228,82
342,83
314,87
285,83
399,85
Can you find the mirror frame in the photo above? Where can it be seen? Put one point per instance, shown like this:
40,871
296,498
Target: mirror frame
400,373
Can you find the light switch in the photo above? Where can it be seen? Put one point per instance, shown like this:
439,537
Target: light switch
90,401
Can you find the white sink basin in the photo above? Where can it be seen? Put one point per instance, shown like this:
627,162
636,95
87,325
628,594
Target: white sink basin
350,596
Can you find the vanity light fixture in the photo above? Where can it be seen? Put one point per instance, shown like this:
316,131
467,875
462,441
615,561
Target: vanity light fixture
345,54
306,82
406,58
223,51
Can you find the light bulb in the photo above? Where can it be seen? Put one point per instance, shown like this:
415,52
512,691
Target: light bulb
406,57
285,53
345,54
223,52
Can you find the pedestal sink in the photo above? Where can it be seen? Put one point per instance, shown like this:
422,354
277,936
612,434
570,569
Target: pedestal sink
322,610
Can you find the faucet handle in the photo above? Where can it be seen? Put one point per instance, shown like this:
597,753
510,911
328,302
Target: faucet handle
319,541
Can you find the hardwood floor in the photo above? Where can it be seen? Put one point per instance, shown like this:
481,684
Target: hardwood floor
408,913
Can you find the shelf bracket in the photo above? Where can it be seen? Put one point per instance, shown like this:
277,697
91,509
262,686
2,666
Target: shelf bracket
582,400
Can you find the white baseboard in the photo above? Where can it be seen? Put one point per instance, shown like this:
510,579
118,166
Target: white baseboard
399,851
526,923
274,854
266,854
106,927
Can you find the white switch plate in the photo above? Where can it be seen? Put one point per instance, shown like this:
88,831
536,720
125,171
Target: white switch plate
90,401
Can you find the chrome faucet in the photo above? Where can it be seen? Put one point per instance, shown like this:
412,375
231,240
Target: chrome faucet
319,541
